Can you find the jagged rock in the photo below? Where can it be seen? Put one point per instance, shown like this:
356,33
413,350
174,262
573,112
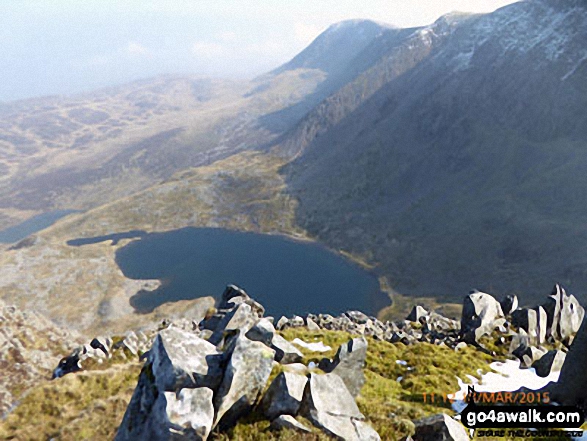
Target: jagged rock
245,377
417,313
312,325
281,323
329,405
190,413
348,364
284,396
181,359
232,296
171,399
68,365
481,315
357,317
509,304
285,352
441,427
552,361
528,354
533,321
289,422
571,388
263,331
564,315
240,318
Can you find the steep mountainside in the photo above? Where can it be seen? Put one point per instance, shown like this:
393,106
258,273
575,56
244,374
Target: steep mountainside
467,164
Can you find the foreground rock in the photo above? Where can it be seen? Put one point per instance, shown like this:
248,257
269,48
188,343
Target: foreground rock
441,427
481,315
244,378
348,364
209,378
329,405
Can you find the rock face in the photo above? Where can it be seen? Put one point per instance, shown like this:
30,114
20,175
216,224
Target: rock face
330,406
284,396
174,395
550,362
481,315
564,315
245,377
348,364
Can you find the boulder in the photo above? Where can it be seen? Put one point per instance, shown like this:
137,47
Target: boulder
244,379
190,413
329,406
571,388
509,304
284,396
289,422
417,313
285,352
528,354
103,344
481,315
357,317
241,318
159,415
550,362
534,322
181,359
564,314
263,331
441,427
312,325
348,364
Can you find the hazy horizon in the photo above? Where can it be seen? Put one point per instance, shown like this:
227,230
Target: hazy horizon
67,47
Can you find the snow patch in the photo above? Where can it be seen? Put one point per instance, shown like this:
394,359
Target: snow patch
314,347
508,377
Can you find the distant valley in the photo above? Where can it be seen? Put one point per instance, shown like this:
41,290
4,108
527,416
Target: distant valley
447,157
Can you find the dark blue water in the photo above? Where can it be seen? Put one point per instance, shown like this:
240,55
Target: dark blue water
32,225
286,276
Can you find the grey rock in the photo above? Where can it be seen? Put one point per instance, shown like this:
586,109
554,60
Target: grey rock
263,331
157,415
312,325
329,405
284,396
245,377
528,354
181,359
190,413
417,313
289,422
481,315
357,317
440,427
285,352
241,318
564,314
552,361
348,364
103,344
571,388
509,304
281,323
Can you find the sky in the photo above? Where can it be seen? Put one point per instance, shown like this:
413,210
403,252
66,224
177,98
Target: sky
50,47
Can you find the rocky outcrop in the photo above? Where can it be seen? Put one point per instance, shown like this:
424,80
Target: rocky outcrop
328,404
481,315
207,378
284,396
348,364
30,347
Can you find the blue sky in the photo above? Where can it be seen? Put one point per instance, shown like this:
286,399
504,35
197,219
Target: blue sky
69,46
